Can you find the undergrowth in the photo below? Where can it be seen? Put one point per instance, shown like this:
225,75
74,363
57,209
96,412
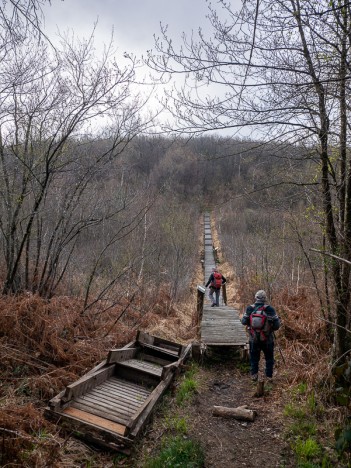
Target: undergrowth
307,431
178,451
44,346
188,385
318,428
176,448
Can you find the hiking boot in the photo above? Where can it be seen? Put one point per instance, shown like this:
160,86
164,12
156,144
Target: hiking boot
254,377
213,305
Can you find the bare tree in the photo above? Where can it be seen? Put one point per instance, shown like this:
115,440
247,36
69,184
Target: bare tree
281,69
53,109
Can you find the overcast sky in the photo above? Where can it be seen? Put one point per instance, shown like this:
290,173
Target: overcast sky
134,21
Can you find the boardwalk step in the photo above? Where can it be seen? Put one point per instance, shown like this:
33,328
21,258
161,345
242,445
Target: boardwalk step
220,326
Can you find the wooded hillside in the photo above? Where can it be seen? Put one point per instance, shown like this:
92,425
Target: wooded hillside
100,213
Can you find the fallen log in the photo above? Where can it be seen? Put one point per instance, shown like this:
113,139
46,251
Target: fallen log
241,412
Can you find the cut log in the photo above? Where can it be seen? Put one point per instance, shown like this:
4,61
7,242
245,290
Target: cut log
241,412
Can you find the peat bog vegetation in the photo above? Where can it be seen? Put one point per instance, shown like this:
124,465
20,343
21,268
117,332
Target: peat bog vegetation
101,227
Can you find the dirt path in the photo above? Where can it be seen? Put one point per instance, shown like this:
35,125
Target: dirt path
228,443
233,443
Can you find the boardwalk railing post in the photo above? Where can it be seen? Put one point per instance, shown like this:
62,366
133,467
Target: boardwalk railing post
200,303
224,294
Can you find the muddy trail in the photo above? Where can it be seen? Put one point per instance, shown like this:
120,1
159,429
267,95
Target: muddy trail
226,442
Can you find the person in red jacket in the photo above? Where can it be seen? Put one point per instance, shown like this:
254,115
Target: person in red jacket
215,281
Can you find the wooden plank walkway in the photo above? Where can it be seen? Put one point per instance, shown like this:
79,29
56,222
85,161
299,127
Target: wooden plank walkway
110,404
220,326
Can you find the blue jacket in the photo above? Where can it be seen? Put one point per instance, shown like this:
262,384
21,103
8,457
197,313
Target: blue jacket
270,311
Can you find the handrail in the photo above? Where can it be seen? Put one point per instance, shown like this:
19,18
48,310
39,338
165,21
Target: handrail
224,294
200,303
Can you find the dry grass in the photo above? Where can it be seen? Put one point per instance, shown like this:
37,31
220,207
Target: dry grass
45,345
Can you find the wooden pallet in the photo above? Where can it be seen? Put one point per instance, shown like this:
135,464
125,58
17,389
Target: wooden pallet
110,404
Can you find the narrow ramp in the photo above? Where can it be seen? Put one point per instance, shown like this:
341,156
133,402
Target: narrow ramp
220,326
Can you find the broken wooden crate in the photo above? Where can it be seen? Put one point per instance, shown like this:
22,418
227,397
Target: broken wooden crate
111,403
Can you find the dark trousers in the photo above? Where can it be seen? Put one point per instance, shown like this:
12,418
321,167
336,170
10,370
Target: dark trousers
267,347
217,293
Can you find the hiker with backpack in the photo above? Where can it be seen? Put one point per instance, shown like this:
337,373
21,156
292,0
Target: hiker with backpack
261,320
215,281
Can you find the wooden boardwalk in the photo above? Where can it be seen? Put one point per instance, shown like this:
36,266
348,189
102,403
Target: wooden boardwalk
220,326
110,405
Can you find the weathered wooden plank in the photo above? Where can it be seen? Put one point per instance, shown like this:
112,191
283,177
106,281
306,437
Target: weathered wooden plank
96,401
119,418
225,344
137,376
143,366
176,365
127,400
125,393
227,329
114,398
221,310
151,358
100,402
160,352
118,355
224,336
144,411
169,346
96,420
224,325
113,388
56,402
224,339
218,342
224,330
222,321
212,331
87,383
145,338
132,388
90,433
219,333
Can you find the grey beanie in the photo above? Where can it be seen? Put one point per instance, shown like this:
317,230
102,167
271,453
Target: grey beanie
261,296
